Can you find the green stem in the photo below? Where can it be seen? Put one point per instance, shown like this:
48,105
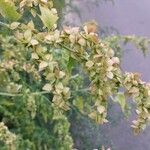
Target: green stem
82,90
77,53
67,48
16,95
9,94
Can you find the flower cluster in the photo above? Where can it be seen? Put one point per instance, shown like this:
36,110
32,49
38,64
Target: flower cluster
98,61
55,80
7,137
140,92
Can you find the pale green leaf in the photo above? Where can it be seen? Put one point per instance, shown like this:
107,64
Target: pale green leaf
101,109
47,87
79,103
34,56
8,11
47,17
120,98
42,65
28,35
14,25
89,64
34,42
71,64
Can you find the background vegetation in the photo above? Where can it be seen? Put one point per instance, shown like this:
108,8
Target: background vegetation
52,79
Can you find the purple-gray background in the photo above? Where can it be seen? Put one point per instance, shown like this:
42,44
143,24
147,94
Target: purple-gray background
129,17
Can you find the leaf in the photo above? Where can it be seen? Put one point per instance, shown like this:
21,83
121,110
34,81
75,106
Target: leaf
120,98
71,64
90,27
42,65
8,11
101,109
110,75
79,103
47,17
7,103
47,87
34,42
61,74
82,41
28,35
34,56
89,64
14,25
44,1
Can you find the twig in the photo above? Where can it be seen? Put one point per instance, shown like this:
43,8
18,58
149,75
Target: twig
67,48
10,94
16,95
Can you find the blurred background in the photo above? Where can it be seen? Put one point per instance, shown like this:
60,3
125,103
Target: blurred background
117,17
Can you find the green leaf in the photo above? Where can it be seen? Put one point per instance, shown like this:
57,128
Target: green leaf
6,103
8,11
79,103
47,17
120,98
71,64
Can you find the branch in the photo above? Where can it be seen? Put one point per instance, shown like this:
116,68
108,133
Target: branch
10,94
67,48
16,95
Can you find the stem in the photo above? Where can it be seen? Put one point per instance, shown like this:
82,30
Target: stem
84,37
67,48
82,90
74,76
39,93
10,94
16,95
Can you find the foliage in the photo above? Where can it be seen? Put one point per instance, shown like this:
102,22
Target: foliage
45,73
116,42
